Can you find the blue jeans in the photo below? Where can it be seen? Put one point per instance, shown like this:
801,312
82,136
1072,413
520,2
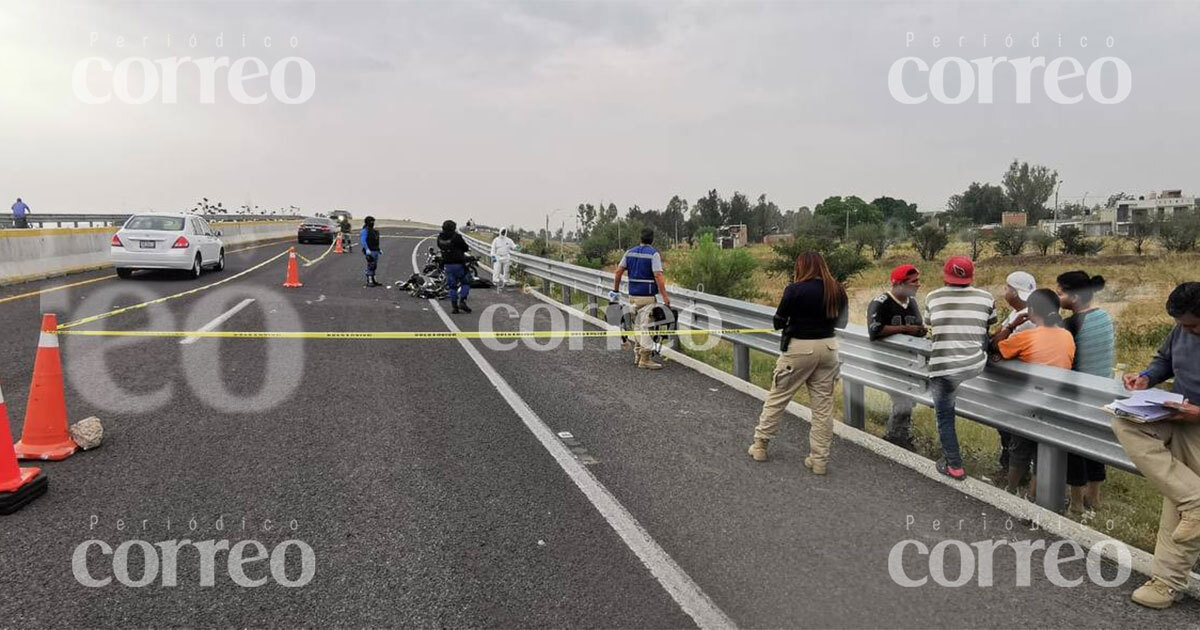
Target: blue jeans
372,263
456,282
944,390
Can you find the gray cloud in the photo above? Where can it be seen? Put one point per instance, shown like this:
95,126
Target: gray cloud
503,111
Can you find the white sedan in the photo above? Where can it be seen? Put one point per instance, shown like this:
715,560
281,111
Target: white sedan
167,241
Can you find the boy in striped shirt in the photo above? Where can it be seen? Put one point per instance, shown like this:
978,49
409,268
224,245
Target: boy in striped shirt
960,316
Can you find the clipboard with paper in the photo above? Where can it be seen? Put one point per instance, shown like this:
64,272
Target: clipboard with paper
1144,406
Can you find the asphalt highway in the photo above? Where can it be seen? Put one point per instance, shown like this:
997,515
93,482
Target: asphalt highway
430,485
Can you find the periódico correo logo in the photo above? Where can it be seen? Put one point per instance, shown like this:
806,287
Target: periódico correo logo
1064,80
139,80
159,562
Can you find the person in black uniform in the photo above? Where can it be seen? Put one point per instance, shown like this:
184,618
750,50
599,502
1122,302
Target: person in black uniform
454,258
895,312
369,239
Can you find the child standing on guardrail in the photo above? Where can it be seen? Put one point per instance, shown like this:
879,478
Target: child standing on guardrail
1095,351
1168,452
895,312
1048,343
960,316
812,307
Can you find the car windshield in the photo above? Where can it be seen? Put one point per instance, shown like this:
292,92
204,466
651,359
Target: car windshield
165,224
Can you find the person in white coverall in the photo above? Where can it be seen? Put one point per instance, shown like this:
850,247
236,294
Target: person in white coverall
502,249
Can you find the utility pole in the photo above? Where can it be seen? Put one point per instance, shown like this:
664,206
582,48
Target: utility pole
562,240
1056,188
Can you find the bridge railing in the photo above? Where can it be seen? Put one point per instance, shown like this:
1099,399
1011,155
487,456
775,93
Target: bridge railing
1059,409
102,220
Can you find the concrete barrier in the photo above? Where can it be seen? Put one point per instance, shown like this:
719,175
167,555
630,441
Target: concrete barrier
34,254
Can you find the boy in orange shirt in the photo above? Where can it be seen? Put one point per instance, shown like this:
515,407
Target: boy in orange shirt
1047,344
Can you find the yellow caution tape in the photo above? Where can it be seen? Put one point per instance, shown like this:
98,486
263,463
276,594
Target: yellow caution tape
470,334
309,263
93,318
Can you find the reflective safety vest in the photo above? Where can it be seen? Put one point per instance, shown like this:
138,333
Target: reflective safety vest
639,265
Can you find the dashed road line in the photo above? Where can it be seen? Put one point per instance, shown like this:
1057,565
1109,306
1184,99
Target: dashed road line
220,319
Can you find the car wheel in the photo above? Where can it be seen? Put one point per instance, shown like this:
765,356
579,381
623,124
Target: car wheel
221,261
196,267
124,273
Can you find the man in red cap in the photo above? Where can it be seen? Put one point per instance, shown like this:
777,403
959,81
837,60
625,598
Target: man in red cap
960,316
895,312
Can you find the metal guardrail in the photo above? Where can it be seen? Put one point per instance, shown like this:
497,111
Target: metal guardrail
102,220
1059,409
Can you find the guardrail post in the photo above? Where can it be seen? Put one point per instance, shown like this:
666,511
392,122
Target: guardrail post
593,307
1051,477
854,404
545,286
741,361
566,294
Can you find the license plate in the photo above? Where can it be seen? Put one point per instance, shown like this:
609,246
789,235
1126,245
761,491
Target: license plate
147,244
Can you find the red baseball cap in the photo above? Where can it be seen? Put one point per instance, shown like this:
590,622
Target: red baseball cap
902,272
959,270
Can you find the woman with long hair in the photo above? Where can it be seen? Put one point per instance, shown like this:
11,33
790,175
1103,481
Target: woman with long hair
813,305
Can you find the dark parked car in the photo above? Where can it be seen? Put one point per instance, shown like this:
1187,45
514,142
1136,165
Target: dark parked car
317,230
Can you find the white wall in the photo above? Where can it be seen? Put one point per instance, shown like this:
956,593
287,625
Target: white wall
33,254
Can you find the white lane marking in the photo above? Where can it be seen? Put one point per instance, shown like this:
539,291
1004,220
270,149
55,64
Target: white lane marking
417,268
220,319
670,575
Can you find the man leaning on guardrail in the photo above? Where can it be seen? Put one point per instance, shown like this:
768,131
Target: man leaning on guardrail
895,312
19,211
960,316
1167,452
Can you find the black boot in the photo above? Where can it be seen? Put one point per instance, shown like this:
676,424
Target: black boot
454,305
463,305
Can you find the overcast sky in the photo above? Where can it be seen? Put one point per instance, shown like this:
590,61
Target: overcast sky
503,111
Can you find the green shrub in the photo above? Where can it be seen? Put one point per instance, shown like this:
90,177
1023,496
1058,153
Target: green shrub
727,272
929,241
1043,241
1010,241
1074,243
844,263
1180,233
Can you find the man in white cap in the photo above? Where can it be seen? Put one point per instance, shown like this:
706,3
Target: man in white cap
1018,286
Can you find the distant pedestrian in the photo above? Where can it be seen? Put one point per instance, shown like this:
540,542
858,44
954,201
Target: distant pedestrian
20,211
1095,350
1017,287
960,316
896,312
1168,452
1047,343
454,257
813,306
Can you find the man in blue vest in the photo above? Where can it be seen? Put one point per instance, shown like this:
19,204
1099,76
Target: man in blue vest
645,269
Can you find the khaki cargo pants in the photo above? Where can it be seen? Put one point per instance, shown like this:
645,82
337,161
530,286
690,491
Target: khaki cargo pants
811,362
1167,454
643,347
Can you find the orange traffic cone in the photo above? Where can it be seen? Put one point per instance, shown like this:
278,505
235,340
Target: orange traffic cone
293,274
18,486
337,248
45,434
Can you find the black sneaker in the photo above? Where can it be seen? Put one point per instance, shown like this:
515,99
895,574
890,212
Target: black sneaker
955,473
903,442
454,306
463,305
